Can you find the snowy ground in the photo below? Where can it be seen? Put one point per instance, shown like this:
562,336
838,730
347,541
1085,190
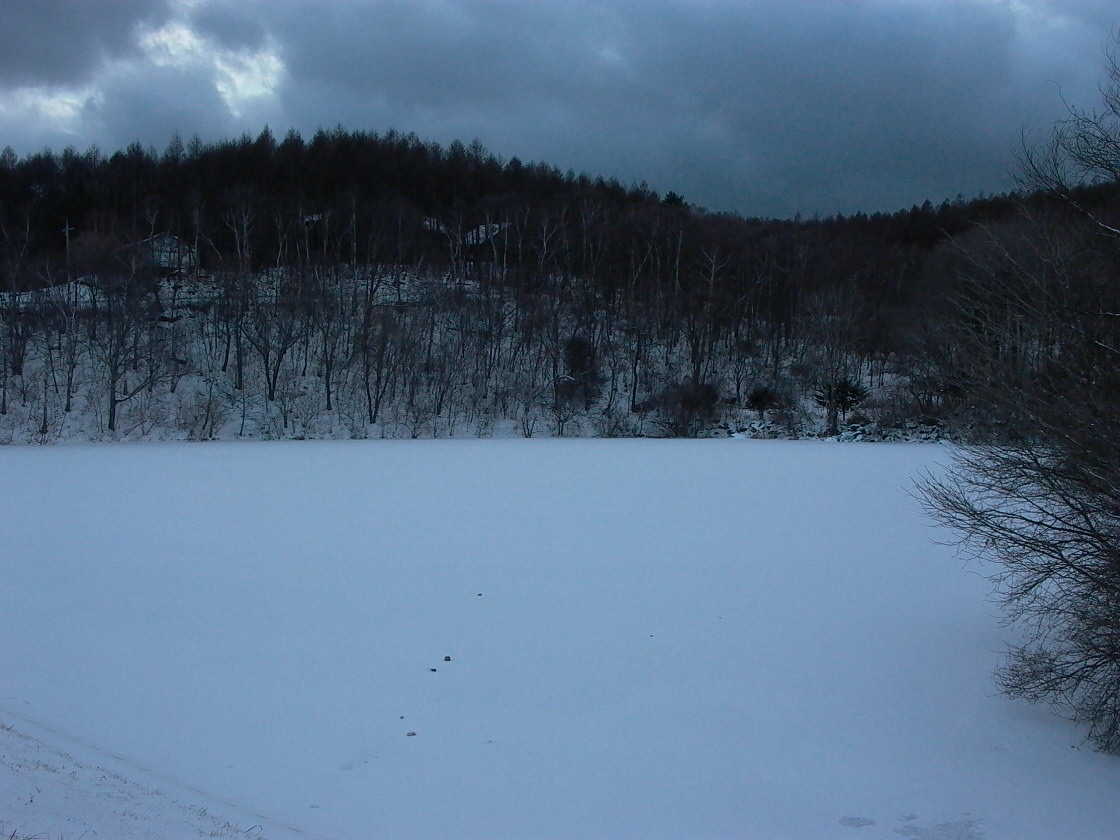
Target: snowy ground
647,639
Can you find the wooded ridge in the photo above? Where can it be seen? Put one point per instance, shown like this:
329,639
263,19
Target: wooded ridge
359,284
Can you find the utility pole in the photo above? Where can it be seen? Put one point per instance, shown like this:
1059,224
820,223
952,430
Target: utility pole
66,232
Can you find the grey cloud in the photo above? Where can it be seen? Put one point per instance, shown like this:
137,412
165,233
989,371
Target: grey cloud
761,107
427,54
52,42
767,108
850,107
1096,14
232,25
133,103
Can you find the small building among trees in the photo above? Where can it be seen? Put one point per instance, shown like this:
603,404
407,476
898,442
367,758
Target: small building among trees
169,254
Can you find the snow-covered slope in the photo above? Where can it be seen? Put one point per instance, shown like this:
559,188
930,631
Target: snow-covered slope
64,796
509,639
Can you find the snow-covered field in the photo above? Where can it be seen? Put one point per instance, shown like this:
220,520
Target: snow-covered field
646,639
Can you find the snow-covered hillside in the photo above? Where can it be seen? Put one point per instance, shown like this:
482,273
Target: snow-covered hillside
509,639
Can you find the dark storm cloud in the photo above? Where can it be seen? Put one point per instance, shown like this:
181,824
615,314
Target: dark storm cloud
765,107
49,42
440,55
762,107
1099,14
231,25
134,102
855,106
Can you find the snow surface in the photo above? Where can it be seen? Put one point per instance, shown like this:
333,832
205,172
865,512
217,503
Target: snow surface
647,639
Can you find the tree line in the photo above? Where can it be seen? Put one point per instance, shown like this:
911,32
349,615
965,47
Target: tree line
358,281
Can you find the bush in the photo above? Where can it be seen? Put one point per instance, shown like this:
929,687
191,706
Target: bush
685,408
838,398
762,399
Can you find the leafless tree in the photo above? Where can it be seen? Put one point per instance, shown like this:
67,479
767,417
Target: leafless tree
1083,148
1045,507
1041,325
132,350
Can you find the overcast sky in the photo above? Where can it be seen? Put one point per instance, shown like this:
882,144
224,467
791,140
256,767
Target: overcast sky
765,107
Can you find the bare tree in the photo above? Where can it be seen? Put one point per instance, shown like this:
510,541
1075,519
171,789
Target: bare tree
1045,507
274,326
1041,324
1083,148
831,321
131,350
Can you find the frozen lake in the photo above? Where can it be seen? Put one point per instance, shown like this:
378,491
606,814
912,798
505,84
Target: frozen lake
647,639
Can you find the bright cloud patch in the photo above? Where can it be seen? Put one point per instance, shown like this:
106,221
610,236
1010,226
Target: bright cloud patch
60,110
244,77
240,76
179,79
